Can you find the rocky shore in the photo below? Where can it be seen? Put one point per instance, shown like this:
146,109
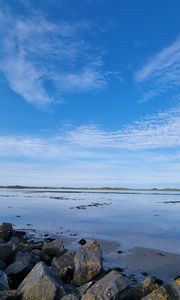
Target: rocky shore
48,271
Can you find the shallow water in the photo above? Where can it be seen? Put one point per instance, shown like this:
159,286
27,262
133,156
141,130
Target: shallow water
147,219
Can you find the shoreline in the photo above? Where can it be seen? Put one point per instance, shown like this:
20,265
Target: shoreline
50,269
135,262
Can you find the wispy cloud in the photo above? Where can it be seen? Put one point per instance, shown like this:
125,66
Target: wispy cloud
153,132
161,73
41,59
157,131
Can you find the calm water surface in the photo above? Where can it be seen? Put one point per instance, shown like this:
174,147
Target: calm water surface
132,219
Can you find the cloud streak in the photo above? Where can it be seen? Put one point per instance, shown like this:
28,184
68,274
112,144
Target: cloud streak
41,59
161,73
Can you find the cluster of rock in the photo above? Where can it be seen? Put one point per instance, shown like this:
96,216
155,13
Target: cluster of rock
48,271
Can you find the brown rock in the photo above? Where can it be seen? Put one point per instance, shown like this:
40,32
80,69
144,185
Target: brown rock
160,294
54,248
88,263
6,231
64,266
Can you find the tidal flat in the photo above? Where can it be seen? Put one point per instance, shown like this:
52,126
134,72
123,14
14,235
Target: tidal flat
132,226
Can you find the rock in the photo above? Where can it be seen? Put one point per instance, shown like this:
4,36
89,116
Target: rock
70,297
64,266
176,288
82,242
6,231
10,295
80,291
107,287
7,251
54,248
159,294
21,266
88,263
4,285
41,284
147,286
2,265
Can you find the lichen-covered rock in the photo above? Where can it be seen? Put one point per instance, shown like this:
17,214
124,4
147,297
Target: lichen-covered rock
107,287
147,286
88,263
54,248
6,231
64,266
10,295
176,287
159,294
4,285
41,284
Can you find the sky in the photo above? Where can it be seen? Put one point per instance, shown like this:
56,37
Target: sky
90,93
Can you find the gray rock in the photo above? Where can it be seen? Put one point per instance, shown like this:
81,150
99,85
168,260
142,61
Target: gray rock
88,263
21,263
107,287
6,231
160,294
21,266
147,286
4,285
70,297
64,266
80,291
10,295
7,250
54,248
41,284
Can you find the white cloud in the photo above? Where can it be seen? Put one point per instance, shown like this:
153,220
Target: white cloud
157,131
161,131
161,73
40,59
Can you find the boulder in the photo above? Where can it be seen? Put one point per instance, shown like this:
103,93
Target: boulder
6,231
81,290
41,284
10,295
54,248
4,285
70,297
107,287
88,263
64,266
7,251
19,268
147,286
160,294
176,287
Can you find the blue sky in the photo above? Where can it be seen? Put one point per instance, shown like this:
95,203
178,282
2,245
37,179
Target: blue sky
90,93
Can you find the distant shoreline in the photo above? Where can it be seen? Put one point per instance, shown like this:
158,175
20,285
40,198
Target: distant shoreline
91,188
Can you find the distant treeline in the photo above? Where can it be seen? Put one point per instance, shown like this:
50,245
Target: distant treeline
88,188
